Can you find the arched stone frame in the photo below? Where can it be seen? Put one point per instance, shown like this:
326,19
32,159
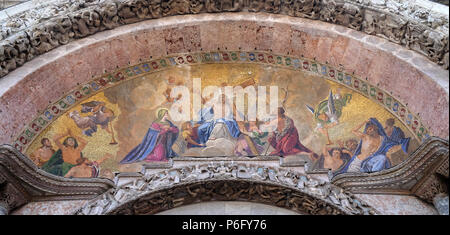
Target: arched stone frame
405,59
84,56
153,193
74,21
217,190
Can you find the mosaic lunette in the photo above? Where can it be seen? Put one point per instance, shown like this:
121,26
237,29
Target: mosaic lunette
124,126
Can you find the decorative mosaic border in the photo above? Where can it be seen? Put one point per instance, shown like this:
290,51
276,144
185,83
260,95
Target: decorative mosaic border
381,97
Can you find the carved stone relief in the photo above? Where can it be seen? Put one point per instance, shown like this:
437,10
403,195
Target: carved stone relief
153,193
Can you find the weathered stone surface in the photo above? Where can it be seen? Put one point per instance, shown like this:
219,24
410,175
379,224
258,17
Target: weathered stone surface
153,193
55,23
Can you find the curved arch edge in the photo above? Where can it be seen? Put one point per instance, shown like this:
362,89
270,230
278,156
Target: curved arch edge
153,193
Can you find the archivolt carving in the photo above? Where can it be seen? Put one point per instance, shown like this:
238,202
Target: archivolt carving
153,193
58,22
223,5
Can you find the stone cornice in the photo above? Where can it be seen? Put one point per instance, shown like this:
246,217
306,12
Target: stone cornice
60,22
415,176
21,182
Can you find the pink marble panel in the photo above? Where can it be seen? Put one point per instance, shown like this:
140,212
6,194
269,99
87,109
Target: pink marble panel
174,40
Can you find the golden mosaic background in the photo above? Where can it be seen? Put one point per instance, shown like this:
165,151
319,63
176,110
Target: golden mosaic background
135,102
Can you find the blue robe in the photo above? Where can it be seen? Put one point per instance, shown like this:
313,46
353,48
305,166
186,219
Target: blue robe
140,152
378,161
207,125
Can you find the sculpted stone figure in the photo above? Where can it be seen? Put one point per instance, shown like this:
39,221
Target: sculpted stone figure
213,6
303,8
224,5
62,30
225,171
413,36
126,14
23,48
349,15
196,6
384,26
243,172
232,5
9,54
371,22
80,26
328,11
92,21
175,7
141,9
434,45
155,8
62,21
392,29
108,14
42,41
272,6
256,5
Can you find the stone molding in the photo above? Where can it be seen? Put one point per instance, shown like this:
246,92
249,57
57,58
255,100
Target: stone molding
22,182
417,175
137,71
58,22
153,193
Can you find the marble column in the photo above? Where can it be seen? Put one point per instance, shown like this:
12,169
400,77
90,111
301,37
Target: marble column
440,201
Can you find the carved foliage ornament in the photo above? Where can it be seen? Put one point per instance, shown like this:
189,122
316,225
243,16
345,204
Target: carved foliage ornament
53,24
153,193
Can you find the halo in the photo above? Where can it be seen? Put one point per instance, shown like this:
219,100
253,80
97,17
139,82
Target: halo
159,109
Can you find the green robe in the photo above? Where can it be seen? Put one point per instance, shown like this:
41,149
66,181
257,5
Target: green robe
56,165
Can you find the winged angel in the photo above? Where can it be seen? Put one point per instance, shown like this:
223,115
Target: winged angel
328,112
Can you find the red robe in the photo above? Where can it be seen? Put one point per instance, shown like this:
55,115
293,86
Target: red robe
287,141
